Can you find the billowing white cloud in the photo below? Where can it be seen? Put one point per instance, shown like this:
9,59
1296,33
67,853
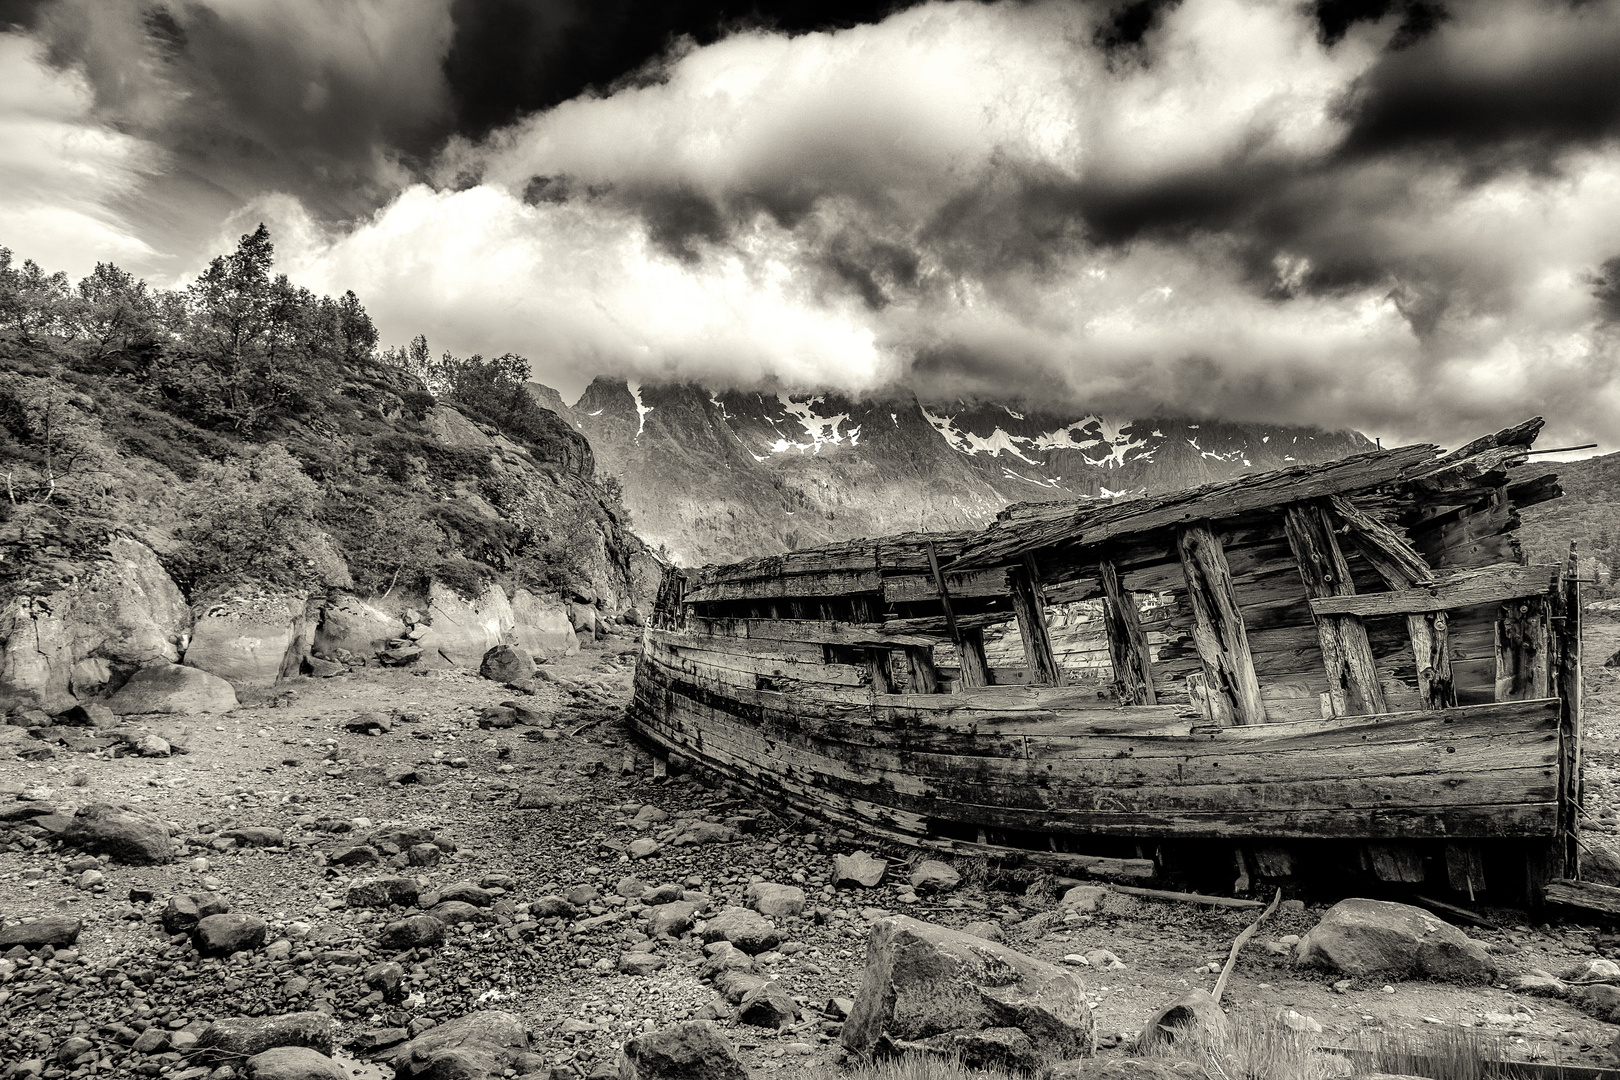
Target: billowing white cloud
62,176
978,199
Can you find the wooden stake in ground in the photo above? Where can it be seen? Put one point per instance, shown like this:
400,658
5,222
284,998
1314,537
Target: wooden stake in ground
1199,1010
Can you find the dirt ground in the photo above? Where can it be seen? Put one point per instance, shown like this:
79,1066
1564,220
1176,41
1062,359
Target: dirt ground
292,763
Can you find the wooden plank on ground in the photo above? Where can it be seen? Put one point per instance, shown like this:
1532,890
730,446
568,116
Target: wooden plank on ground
1584,894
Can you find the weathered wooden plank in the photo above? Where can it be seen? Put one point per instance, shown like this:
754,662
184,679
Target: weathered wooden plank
1127,644
1218,631
1191,898
740,670
1389,553
1524,658
924,677
804,652
1457,589
831,583
1566,615
934,625
1031,612
919,588
1432,649
831,632
1347,656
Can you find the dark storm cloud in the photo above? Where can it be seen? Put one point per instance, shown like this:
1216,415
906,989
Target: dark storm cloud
509,58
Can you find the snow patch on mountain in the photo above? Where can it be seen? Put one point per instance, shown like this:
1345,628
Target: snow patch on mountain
819,430
641,410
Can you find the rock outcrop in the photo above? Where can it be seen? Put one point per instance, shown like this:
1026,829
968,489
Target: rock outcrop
1376,937
541,627
125,614
252,643
461,631
478,1044
923,982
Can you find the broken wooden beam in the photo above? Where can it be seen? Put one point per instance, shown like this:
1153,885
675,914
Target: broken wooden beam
1352,671
1218,631
1127,644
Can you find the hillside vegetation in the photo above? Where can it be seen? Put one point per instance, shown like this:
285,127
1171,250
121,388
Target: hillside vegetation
253,435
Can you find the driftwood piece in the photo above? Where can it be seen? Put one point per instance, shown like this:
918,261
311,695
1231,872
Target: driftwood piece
1218,630
1347,655
1237,947
1187,897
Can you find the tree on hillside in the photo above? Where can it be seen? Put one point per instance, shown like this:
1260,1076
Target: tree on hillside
34,305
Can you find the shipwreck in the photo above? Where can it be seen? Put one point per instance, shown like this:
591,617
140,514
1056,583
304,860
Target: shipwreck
1347,667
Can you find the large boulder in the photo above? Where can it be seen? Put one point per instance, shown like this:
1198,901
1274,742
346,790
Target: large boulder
173,689
480,1044
222,935
748,930
1377,937
461,631
923,981
541,627
236,1037
129,836
507,664
252,643
351,625
124,613
693,1050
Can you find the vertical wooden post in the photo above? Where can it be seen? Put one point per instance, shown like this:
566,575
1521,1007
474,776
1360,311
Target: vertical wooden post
1030,608
924,679
1566,630
1431,649
1127,644
1346,652
1524,659
877,665
1218,631
975,668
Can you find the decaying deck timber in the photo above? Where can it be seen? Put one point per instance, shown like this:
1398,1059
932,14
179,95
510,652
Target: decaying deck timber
1354,654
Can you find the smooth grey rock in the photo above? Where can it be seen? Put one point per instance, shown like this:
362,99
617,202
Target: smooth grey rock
747,930
931,875
489,1040
235,1037
173,689
776,901
691,1050
58,931
413,932
1377,937
222,935
859,869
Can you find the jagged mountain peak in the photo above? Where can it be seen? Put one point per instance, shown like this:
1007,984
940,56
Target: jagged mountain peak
719,475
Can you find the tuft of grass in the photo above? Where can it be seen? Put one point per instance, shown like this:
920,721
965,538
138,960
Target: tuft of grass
1253,1048
913,1067
1450,1052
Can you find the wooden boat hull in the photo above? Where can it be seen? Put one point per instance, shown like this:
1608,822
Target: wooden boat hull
936,775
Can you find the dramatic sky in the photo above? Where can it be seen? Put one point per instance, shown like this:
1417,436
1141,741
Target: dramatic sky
1398,216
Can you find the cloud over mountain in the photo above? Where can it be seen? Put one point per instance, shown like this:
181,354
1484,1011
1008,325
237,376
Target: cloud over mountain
1392,216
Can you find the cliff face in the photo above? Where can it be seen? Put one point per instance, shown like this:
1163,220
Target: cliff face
716,477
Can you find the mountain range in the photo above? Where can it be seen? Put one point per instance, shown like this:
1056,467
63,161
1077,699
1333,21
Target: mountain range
716,476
